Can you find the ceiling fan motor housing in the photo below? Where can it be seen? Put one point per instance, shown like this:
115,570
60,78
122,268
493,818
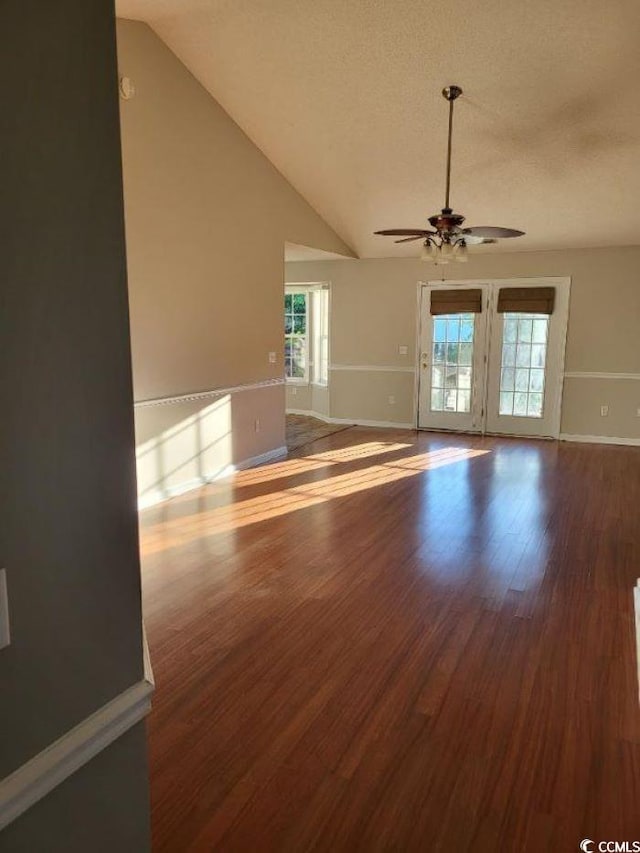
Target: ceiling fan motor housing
447,223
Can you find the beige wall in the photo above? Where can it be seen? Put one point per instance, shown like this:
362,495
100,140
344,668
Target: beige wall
207,216
299,397
180,446
373,311
308,398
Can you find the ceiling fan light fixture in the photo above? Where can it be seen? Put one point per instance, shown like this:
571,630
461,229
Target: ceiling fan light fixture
460,252
447,239
429,251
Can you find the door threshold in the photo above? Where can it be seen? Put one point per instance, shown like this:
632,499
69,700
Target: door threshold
450,431
522,435
487,433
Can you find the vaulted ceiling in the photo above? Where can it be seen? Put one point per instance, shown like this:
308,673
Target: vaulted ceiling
343,96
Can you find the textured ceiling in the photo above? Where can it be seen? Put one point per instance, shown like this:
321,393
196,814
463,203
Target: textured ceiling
343,96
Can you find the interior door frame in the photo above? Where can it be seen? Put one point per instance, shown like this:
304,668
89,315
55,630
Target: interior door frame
562,283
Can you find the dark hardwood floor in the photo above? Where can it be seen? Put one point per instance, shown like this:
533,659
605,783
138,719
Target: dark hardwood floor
398,641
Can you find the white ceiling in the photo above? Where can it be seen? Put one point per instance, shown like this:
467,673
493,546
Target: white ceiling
343,96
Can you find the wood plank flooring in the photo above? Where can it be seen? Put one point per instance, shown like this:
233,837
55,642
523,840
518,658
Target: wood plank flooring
398,641
303,429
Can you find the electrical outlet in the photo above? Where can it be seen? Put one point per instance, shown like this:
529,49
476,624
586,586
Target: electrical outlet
604,411
256,425
272,358
392,400
294,390
403,350
5,636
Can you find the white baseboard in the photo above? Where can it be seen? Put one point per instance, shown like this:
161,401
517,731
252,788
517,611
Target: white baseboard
157,496
45,771
636,602
600,439
351,421
261,459
381,424
309,413
590,439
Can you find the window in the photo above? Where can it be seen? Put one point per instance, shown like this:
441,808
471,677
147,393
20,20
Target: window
295,336
451,363
306,333
524,356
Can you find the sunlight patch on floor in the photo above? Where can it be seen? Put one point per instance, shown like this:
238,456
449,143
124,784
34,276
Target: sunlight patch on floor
222,519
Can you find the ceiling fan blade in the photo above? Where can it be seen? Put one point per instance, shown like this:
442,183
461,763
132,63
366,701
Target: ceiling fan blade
404,232
491,232
474,240
409,239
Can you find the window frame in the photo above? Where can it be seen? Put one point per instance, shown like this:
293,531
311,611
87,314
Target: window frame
313,328
299,291
319,333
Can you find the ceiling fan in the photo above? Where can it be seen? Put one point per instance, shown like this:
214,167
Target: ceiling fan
449,240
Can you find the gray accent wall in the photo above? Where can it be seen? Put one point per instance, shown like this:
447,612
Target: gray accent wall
68,525
100,809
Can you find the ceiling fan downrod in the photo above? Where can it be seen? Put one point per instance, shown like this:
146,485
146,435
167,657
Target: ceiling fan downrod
451,94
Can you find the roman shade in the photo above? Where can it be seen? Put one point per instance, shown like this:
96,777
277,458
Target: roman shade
526,300
458,301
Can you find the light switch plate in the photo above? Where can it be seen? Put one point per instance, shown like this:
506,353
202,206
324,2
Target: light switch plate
272,358
5,635
403,350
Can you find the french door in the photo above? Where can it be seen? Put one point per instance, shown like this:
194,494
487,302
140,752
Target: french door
452,352
492,356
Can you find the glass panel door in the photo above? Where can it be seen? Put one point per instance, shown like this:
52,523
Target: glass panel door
525,365
451,368
491,371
